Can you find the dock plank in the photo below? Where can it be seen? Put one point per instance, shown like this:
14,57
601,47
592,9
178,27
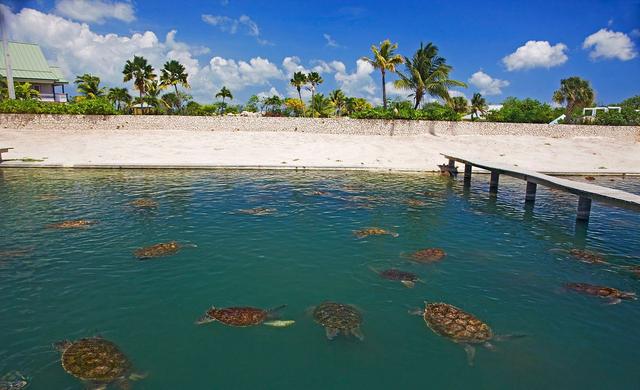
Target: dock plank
595,192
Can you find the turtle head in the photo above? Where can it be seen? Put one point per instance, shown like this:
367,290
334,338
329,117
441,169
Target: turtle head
206,318
62,345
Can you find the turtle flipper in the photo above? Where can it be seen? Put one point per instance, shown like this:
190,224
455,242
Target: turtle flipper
471,353
614,301
331,333
417,311
358,333
408,283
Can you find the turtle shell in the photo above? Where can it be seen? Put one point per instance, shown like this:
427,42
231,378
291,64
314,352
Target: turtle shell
600,291
238,316
395,274
74,224
456,324
157,250
587,257
337,316
373,232
257,211
96,360
144,203
428,255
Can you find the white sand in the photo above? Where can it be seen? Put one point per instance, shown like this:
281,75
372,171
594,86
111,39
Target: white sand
266,149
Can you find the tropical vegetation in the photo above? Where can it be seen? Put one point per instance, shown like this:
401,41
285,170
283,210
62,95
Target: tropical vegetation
385,59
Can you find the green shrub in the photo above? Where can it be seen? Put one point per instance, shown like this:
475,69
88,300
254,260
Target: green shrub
524,111
84,107
430,111
627,117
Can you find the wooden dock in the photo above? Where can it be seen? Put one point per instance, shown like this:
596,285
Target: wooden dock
586,192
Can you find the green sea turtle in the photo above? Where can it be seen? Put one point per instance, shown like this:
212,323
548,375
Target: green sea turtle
144,203
415,203
72,224
97,362
257,211
373,231
459,326
428,255
13,381
243,316
408,279
158,250
613,295
338,318
586,256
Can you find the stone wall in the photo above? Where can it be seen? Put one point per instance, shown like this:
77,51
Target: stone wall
309,125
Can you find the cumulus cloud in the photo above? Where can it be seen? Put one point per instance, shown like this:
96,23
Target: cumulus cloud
232,26
241,74
609,44
95,11
536,54
486,84
359,83
392,90
271,92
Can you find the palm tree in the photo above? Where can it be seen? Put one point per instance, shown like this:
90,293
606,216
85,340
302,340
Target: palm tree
314,79
478,106
140,72
174,73
324,107
459,104
89,86
119,95
576,93
385,59
224,93
427,74
299,80
152,97
338,99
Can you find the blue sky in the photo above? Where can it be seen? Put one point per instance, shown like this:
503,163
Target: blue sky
501,48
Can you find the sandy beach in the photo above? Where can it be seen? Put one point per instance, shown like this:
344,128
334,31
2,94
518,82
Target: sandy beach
180,148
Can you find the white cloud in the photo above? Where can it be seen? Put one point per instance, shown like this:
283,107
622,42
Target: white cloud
292,65
536,54
392,90
271,92
359,83
97,11
486,84
241,74
609,44
231,25
330,41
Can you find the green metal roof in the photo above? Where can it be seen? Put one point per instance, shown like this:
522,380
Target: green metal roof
28,62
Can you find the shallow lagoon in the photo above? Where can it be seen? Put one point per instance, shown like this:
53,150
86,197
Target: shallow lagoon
502,266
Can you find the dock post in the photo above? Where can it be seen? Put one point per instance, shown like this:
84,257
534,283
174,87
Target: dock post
452,163
531,192
467,175
584,208
493,183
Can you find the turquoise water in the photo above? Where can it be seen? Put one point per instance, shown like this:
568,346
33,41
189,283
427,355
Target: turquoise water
503,264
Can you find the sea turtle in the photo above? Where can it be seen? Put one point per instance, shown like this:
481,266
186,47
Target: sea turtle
243,316
72,224
257,211
13,381
144,203
408,279
97,362
338,317
587,256
157,250
373,231
415,202
428,255
635,270
613,295
459,326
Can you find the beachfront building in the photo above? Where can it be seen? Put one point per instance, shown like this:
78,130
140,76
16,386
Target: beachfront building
29,65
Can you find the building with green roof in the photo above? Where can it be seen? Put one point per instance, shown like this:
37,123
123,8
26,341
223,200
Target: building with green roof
29,65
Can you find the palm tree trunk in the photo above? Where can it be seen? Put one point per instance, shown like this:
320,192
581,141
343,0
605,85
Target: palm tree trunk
384,92
312,103
178,98
300,95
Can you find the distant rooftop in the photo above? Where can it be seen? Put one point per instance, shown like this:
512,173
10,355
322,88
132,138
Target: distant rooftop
28,63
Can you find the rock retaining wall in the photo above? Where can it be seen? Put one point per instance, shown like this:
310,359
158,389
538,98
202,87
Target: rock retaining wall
309,125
